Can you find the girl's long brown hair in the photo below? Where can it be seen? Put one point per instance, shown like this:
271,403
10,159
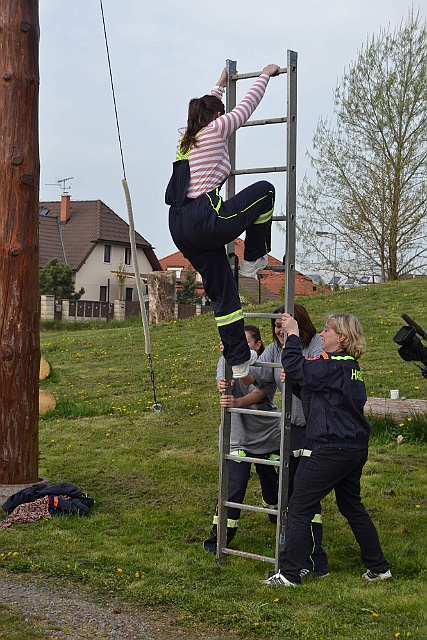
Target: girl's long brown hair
307,330
201,111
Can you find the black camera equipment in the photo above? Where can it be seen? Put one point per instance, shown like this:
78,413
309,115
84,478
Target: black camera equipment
412,349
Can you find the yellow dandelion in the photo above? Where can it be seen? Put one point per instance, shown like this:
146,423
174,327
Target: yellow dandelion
397,635
375,615
119,570
417,506
276,600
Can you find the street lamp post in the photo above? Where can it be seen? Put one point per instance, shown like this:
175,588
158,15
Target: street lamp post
332,235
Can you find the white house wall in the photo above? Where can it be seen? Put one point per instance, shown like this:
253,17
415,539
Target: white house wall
95,273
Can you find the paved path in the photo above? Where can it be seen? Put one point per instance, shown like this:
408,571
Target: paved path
65,611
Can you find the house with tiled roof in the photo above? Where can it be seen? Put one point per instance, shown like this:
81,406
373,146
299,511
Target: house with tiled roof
93,240
268,288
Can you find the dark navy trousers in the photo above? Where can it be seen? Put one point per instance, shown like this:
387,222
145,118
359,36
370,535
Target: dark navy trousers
326,469
201,229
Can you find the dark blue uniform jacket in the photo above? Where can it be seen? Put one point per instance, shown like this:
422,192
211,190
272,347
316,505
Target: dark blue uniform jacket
333,396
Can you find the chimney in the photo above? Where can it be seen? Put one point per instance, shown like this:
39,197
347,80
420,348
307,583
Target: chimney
64,214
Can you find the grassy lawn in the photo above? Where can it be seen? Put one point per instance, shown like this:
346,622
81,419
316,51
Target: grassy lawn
154,478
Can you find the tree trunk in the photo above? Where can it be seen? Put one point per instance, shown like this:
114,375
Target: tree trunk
161,295
19,258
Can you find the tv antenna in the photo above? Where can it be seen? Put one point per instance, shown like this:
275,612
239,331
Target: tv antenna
62,185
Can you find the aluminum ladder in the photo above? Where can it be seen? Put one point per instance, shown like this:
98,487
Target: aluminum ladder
289,275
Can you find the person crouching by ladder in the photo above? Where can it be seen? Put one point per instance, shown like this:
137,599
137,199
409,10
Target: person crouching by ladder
251,435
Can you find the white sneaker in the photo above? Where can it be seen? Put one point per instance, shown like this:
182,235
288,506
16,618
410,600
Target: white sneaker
278,581
249,269
242,370
373,576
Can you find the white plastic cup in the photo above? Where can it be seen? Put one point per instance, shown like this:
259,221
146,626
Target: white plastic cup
394,394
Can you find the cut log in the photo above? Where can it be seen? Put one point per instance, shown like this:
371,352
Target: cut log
395,409
46,402
44,369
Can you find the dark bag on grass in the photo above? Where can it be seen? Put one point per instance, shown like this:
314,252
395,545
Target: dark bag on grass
72,500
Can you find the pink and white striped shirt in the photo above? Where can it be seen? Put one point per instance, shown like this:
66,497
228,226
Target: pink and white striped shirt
209,159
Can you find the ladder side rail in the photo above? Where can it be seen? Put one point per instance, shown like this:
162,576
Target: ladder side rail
292,59
225,429
224,474
230,103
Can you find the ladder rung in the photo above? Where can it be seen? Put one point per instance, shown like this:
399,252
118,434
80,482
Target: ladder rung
257,123
271,463
241,172
272,316
245,554
271,365
279,218
250,507
275,267
256,412
254,74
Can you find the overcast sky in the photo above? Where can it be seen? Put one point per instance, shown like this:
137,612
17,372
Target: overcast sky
164,53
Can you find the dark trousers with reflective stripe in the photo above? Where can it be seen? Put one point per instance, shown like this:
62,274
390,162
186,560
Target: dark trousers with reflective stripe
238,483
201,228
316,557
327,469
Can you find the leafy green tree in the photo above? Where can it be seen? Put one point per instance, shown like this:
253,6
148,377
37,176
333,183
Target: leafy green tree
57,280
188,293
370,185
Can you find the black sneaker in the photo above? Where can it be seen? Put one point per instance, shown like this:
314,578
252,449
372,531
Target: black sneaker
310,573
210,543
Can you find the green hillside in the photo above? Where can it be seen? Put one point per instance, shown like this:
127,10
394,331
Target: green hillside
154,477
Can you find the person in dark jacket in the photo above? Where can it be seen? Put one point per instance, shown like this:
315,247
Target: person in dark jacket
333,396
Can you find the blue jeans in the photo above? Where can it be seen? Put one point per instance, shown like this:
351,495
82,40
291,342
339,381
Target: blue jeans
330,468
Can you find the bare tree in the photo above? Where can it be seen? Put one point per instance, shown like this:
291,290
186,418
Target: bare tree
371,165
122,275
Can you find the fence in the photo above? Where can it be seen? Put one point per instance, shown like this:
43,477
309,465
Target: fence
189,310
85,310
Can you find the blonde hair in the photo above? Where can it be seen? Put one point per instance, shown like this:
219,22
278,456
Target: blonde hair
349,327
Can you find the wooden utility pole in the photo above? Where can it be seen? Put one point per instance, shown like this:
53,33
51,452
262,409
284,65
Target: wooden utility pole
19,257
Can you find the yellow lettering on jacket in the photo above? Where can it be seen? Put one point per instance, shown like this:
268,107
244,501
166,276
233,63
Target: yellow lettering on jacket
356,375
